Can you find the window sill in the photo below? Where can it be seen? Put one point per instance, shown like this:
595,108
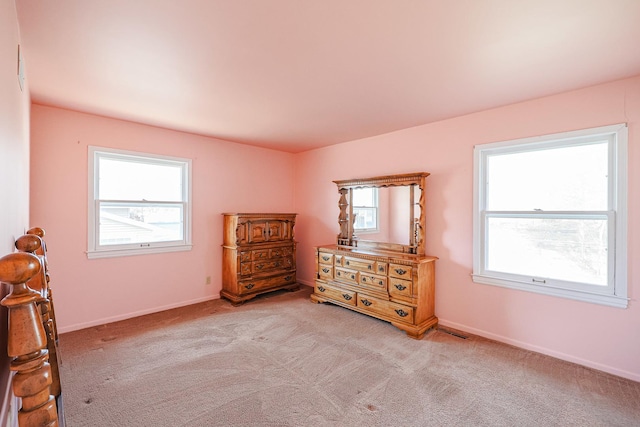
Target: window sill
111,253
609,300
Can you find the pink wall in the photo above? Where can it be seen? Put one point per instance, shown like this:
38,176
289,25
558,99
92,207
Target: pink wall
14,168
227,177
14,135
602,337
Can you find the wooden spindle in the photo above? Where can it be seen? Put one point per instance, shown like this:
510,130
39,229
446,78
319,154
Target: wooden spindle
42,251
26,342
33,244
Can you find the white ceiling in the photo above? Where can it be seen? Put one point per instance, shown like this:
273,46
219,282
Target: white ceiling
294,75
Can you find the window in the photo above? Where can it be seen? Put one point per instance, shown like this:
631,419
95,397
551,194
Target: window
550,215
365,209
138,203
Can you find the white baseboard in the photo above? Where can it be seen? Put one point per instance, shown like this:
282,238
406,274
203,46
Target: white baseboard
306,283
105,320
558,355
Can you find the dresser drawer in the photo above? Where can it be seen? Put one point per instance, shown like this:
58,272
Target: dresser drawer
346,297
374,282
400,287
397,312
253,285
245,268
260,254
359,264
325,258
382,268
259,267
245,256
280,252
347,276
400,271
325,271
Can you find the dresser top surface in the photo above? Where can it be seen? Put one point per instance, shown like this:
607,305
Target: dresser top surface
258,214
347,250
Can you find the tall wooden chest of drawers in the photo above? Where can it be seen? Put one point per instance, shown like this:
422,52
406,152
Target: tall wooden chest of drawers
398,288
258,255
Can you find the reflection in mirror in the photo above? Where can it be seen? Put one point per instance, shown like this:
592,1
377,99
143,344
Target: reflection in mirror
365,210
395,221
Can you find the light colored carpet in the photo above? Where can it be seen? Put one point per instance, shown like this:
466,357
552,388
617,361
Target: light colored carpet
280,360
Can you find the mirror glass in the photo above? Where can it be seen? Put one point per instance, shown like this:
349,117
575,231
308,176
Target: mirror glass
393,220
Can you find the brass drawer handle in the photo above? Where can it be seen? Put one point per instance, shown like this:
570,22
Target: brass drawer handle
325,270
250,285
259,266
353,276
364,279
287,278
380,268
400,287
366,302
325,258
369,267
400,271
276,254
321,289
347,263
402,313
347,297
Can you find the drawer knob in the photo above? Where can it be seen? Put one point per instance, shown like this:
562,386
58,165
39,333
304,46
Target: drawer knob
287,278
366,302
369,267
259,266
321,289
325,258
380,268
400,271
402,313
364,279
347,297
353,276
347,263
250,285
325,270
400,287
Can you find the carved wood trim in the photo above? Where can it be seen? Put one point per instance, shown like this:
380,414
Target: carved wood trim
383,181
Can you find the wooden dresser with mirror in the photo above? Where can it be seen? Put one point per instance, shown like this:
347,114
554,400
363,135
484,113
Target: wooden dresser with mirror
388,275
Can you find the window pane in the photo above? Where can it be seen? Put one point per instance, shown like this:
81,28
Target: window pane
565,249
364,197
365,218
558,179
122,224
123,179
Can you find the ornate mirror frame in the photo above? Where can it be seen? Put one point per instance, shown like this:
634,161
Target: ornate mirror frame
346,218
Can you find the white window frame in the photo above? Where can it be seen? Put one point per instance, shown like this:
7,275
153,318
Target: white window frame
615,293
94,249
375,208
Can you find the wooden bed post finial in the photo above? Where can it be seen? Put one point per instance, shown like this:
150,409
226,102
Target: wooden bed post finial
27,343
